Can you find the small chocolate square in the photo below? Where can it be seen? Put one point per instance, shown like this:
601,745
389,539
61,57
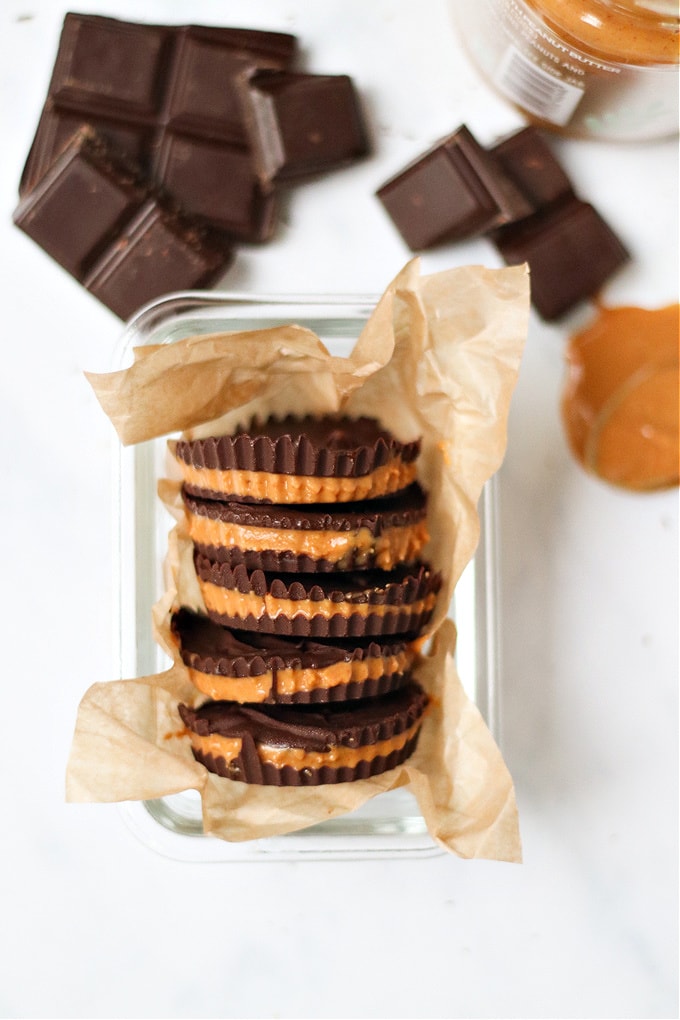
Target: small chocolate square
111,64
217,182
79,204
302,124
156,254
571,253
207,63
530,163
454,191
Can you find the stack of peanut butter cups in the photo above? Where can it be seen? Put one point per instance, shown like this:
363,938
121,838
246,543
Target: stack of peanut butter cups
308,536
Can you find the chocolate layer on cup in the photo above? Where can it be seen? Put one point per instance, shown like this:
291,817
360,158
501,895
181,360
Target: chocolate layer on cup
306,745
254,668
296,538
326,459
354,604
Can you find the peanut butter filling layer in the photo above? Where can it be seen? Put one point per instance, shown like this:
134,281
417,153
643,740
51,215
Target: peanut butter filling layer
399,544
282,488
292,681
233,603
244,689
338,756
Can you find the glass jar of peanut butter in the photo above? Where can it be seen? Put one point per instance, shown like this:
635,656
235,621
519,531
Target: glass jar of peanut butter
591,68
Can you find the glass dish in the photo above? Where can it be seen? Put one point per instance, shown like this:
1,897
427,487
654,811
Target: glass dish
387,825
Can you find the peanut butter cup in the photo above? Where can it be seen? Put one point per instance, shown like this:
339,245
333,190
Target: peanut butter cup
306,745
264,668
353,604
327,459
293,538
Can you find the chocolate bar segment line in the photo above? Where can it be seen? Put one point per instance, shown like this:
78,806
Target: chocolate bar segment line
161,75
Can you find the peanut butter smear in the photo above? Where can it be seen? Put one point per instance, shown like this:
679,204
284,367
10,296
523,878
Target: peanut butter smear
627,35
621,400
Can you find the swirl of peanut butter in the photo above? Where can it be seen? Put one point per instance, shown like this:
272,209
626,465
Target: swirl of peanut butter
621,400
627,33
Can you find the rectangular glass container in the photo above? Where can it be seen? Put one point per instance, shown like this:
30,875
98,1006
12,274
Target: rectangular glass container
389,824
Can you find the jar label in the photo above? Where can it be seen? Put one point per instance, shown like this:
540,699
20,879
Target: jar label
561,85
543,94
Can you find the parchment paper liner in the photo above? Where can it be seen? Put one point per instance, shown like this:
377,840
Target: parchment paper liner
438,358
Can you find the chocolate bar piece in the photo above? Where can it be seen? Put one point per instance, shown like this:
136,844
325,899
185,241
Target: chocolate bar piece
167,98
454,191
530,163
301,124
124,242
571,253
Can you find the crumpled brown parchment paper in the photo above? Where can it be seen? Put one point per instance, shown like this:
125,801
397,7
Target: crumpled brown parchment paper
438,358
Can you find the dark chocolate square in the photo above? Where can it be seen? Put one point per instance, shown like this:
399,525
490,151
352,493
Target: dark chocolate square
207,64
203,69
571,253
217,182
111,64
454,191
78,205
302,124
155,255
528,160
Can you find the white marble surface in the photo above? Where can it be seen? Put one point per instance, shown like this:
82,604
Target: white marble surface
94,924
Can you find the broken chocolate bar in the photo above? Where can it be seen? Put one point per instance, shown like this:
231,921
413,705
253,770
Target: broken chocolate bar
167,98
119,238
571,253
301,124
454,191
